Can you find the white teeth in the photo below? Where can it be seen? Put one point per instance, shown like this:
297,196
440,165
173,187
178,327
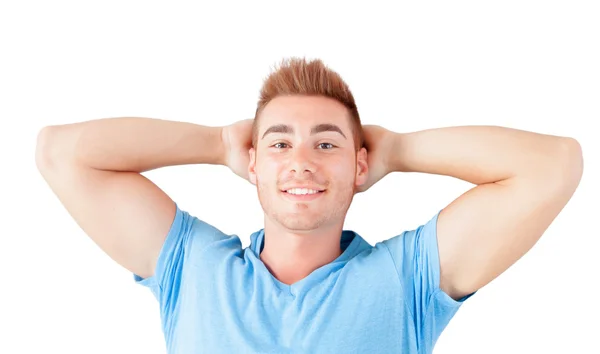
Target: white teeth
301,191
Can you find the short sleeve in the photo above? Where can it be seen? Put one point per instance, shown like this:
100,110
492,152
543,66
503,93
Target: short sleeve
416,257
185,252
170,260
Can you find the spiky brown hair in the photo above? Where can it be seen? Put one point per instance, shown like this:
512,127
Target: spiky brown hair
296,76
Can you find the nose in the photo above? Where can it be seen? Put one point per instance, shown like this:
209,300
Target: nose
302,160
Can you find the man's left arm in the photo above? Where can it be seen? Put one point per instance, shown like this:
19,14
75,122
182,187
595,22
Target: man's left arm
523,179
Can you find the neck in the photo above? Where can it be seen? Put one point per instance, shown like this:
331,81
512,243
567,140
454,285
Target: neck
291,255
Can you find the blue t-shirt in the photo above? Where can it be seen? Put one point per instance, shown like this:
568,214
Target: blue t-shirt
216,297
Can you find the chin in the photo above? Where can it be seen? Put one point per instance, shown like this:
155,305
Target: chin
300,223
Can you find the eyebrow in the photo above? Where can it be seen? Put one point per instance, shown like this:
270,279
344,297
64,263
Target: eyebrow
319,128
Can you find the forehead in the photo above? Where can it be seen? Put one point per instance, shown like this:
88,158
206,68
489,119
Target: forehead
304,112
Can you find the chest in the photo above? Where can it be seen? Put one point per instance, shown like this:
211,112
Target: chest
351,311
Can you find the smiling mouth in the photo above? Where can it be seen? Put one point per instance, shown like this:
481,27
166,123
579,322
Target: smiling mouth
302,191
302,194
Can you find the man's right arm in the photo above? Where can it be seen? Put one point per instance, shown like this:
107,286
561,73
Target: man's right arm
94,168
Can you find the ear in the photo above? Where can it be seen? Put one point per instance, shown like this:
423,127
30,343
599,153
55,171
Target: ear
252,166
362,167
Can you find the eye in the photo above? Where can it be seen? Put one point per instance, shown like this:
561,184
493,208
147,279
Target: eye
279,145
329,146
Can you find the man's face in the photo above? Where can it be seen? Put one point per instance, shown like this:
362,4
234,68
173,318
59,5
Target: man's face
304,164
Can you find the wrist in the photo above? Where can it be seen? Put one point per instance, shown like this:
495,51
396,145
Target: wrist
222,155
396,161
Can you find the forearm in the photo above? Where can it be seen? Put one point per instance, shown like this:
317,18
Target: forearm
478,154
132,144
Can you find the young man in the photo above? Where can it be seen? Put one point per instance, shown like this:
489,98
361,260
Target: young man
305,285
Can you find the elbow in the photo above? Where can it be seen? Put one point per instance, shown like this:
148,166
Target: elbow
54,144
43,148
572,162
564,172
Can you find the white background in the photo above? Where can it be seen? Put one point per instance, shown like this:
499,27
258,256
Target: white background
522,64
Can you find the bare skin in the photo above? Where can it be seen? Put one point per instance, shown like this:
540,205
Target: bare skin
94,168
522,182
301,236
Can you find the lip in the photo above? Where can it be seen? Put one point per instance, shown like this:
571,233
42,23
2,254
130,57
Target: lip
313,187
302,198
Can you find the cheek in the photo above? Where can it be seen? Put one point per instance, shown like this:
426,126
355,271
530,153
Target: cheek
276,162
268,170
343,168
